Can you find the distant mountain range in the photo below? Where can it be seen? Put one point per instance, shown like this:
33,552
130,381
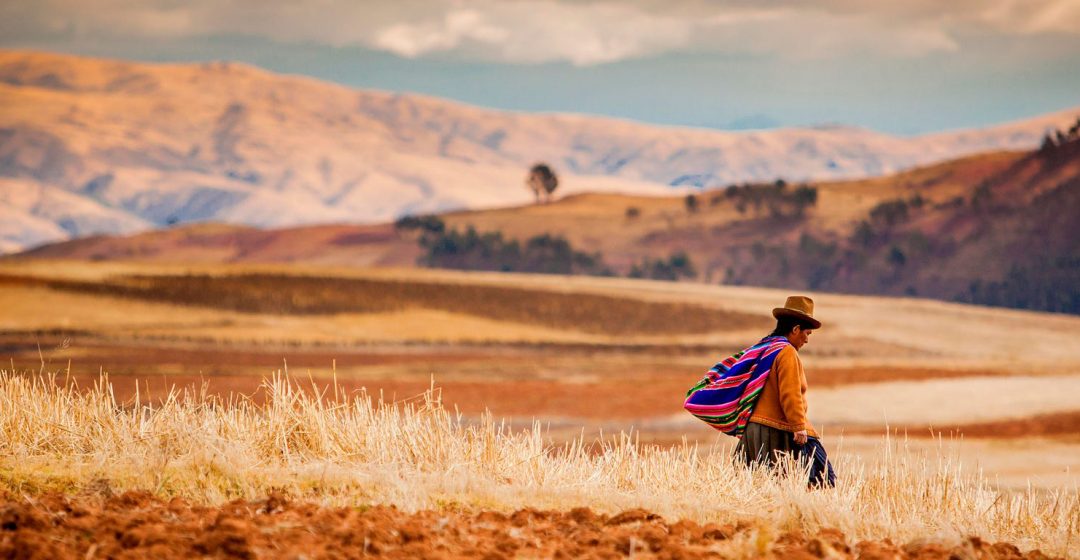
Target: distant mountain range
100,146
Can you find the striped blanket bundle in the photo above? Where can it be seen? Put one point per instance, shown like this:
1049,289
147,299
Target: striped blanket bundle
725,399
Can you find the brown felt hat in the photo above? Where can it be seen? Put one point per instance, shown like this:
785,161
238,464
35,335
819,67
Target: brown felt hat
800,307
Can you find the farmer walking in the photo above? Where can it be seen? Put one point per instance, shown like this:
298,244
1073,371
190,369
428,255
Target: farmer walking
779,424
759,396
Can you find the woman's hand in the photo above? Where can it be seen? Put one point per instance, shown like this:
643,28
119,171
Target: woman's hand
800,437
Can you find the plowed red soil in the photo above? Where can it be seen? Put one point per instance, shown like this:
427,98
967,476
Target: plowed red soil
1057,424
137,525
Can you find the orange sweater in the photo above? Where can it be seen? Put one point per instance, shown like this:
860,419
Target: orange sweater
782,403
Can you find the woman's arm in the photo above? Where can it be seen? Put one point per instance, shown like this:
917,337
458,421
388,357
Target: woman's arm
789,380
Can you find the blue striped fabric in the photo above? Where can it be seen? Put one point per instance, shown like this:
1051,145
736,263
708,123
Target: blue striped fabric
821,470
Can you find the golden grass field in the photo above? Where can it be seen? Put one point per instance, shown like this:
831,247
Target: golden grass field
529,371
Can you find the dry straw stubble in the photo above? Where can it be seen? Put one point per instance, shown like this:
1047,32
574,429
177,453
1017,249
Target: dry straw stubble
355,449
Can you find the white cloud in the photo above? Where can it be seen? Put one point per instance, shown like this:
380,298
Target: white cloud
539,31
1033,16
581,32
456,28
815,35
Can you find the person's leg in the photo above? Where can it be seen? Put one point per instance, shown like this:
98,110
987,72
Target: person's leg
822,474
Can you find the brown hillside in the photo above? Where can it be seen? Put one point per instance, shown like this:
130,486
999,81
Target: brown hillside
592,222
353,245
600,222
1018,218
91,146
957,230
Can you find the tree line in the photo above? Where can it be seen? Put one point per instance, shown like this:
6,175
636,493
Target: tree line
544,254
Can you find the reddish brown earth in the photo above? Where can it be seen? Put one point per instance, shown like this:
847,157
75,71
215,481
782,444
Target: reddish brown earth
514,383
510,382
1057,424
632,396
137,525
831,377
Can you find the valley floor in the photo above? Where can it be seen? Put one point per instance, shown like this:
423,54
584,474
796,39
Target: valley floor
1000,398
921,404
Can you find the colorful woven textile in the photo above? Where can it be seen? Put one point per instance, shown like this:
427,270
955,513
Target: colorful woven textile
725,399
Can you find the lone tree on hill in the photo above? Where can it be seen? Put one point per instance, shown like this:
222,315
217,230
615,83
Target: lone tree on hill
542,181
691,203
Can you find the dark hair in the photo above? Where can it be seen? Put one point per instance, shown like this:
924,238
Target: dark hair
786,323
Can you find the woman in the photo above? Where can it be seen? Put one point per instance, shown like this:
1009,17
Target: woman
779,424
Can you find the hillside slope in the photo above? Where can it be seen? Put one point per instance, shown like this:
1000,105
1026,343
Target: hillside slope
335,244
114,147
995,228
1005,235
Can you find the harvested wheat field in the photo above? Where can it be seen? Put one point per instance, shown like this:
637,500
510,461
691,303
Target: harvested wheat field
463,482
457,414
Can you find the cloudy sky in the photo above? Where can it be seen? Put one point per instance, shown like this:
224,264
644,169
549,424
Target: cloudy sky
904,66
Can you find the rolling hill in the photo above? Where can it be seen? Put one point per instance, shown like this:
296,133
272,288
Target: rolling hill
93,146
996,228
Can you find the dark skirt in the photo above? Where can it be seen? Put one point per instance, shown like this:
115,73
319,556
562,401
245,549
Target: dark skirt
765,445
